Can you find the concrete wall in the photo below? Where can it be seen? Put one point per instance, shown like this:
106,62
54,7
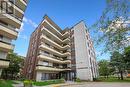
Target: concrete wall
83,67
38,76
0,72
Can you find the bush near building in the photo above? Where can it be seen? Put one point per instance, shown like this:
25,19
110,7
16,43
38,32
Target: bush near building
44,83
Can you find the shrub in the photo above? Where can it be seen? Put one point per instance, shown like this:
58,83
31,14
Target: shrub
95,79
49,82
78,80
27,83
62,80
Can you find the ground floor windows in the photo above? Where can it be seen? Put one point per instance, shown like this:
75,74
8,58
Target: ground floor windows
49,76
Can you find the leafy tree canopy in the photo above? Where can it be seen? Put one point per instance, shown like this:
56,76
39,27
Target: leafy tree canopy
114,25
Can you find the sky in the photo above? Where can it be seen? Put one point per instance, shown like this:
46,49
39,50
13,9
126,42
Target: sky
64,13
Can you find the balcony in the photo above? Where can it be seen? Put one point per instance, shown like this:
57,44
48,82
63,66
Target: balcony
11,19
22,2
18,11
67,53
65,35
8,31
44,47
50,50
52,35
53,28
53,59
6,46
54,43
4,63
46,31
48,68
67,40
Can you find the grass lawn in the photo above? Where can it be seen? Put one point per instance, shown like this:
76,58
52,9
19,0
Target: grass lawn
6,83
112,79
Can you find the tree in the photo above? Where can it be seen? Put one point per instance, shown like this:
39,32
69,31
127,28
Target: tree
127,56
104,68
14,67
113,26
117,61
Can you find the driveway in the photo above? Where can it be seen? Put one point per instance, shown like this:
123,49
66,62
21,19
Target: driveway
99,84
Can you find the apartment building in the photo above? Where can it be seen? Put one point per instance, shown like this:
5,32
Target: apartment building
11,15
54,53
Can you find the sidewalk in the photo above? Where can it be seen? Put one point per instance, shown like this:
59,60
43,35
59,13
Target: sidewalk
53,85
20,84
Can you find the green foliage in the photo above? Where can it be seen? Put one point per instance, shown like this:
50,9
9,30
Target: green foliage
117,61
109,34
4,83
112,79
78,80
127,56
14,67
104,69
95,79
27,82
49,82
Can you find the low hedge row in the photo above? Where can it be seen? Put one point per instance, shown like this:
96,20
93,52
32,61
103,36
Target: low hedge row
43,83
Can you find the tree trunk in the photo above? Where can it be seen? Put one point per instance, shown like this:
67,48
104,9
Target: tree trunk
121,73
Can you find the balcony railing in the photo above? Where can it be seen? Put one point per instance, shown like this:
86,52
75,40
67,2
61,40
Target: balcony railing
9,27
53,41
7,43
4,10
58,58
26,1
15,4
20,19
54,66
4,63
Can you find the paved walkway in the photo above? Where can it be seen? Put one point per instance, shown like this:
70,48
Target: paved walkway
99,84
84,84
20,84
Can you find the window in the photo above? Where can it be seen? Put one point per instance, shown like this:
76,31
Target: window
45,76
1,37
55,65
46,52
47,44
45,63
87,37
88,44
89,52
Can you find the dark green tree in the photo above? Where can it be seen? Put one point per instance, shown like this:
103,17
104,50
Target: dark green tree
127,57
117,61
104,69
14,67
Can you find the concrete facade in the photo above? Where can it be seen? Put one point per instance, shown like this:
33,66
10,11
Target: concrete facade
9,23
83,67
84,53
